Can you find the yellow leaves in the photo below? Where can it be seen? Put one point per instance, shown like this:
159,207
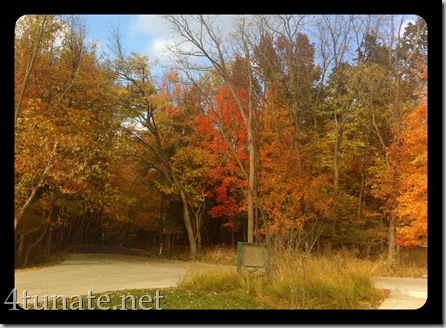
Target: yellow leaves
123,92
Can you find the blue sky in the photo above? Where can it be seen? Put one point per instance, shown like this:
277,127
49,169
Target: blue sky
143,34
138,34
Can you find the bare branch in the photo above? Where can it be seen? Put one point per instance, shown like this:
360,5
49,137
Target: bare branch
30,67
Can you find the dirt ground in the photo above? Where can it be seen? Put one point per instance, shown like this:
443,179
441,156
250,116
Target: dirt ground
79,273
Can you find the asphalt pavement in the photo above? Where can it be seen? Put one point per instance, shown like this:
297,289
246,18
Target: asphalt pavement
80,273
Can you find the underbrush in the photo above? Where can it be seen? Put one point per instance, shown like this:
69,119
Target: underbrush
413,262
337,282
219,255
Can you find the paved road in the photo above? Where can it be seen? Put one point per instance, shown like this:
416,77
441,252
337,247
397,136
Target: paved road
405,293
80,273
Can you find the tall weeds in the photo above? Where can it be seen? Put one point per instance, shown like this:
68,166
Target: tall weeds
339,281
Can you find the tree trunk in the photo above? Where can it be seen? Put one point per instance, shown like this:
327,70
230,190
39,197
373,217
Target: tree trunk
251,182
21,246
336,165
80,238
28,202
391,246
161,221
34,244
199,241
49,243
43,233
188,225
29,68
86,232
169,241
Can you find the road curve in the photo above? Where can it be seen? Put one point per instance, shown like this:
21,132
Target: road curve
79,273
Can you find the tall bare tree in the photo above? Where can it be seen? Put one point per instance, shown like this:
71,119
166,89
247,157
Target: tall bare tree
40,27
143,107
206,40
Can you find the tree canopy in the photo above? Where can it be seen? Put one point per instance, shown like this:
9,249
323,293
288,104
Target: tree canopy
290,126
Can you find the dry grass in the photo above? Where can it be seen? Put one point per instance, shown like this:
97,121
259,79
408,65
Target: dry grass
339,281
336,282
412,264
219,255
413,261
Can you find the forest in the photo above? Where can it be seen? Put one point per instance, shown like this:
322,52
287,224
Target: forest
304,130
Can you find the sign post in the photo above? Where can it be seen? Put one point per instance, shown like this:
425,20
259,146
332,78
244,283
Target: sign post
252,255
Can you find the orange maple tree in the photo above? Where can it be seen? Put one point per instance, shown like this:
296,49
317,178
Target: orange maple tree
412,200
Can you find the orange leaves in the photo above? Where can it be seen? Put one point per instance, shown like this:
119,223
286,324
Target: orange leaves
67,123
133,197
290,192
412,200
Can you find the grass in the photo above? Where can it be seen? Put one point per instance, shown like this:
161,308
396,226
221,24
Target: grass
186,299
172,298
329,285
337,282
219,255
413,261
413,264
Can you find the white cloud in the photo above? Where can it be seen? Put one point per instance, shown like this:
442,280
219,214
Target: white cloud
149,25
161,44
154,31
151,31
155,49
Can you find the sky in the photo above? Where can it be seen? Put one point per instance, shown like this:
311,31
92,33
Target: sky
143,34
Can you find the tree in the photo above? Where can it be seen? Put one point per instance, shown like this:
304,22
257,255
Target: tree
36,41
67,93
150,123
208,43
412,200
133,202
258,130
224,144
402,99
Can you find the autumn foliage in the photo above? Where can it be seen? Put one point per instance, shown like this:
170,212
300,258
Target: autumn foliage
107,153
412,201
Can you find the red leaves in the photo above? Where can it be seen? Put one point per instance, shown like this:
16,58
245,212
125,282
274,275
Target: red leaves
221,125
